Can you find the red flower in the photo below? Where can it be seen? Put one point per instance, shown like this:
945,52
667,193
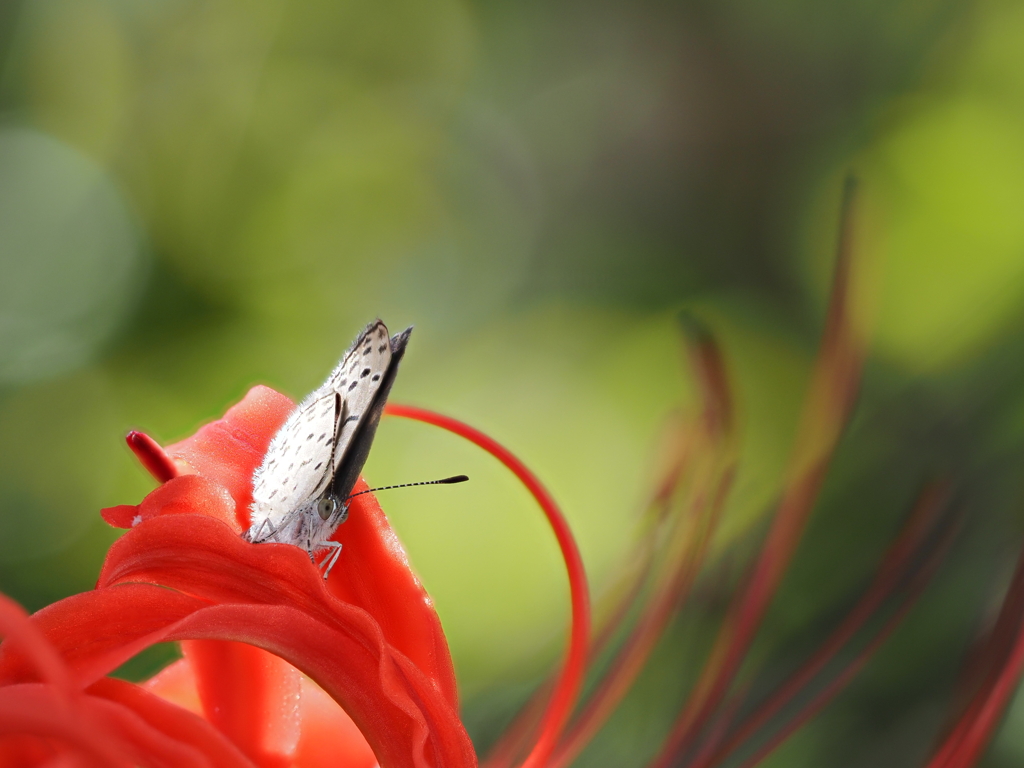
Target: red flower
283,669
369,637
250,617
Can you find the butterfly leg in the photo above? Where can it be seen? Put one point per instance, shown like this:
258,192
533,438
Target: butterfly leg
332,558
257,537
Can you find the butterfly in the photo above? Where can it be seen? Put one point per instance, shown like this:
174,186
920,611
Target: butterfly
301,490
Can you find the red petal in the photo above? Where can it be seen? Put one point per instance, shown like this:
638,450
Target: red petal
176,683
37,709
373,573
121,516
184,495
397,708
329,737
229,450
122,726
95,632
251,696
281,606
174,722
25,750
24,639
148,745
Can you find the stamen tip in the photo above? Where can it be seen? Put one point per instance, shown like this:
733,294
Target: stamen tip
152,456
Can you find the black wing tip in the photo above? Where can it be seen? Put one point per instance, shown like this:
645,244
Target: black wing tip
399,340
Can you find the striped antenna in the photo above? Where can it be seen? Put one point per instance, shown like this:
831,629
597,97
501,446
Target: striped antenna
444,481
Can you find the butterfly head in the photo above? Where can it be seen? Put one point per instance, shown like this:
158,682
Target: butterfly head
328,506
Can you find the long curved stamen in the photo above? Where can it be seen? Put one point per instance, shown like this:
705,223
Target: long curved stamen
152,456
833,389
893,570
570,681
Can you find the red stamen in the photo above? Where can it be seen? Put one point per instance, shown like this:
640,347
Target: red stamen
702,453
520,732
152,456
890,572
567,689
669,596
845,677
966,742
833,387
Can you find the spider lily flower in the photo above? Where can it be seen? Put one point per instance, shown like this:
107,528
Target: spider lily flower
282,669
249,617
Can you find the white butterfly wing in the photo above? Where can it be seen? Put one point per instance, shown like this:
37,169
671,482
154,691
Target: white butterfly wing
305,453
357,380
298,462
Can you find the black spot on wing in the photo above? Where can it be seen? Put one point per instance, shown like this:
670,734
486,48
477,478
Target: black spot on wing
353,385
375,377
365,373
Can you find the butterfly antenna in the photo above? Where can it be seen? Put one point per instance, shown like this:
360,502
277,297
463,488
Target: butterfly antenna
444,481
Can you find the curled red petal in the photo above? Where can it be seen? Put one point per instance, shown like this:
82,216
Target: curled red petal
95,632
397,708
373,573
270,597
229,449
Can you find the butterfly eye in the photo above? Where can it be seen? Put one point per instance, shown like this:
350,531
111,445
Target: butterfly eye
326,506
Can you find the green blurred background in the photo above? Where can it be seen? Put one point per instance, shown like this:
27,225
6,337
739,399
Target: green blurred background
200,196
